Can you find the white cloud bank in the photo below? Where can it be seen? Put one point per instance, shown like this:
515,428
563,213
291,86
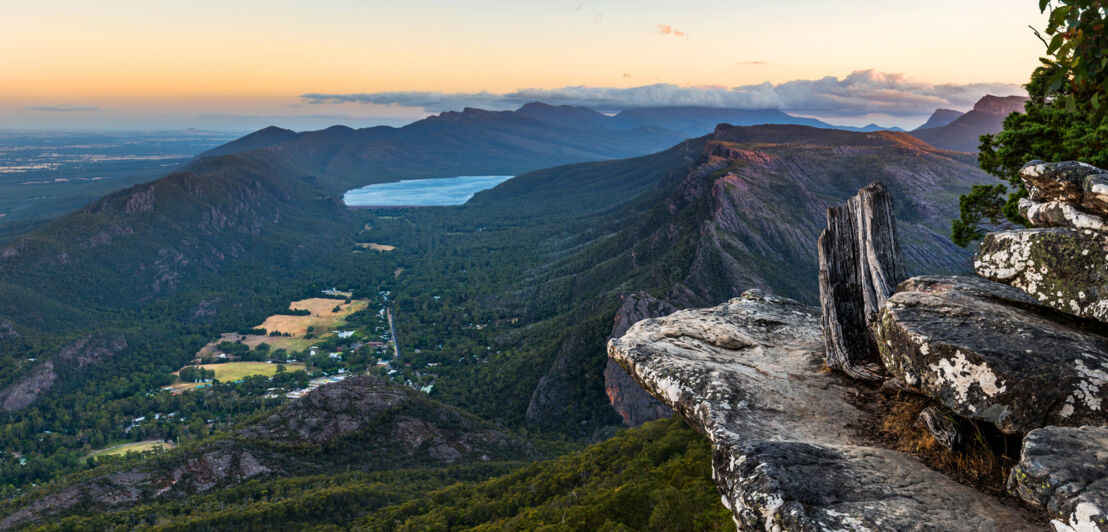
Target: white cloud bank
864,92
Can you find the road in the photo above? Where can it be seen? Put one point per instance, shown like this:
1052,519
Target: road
392,332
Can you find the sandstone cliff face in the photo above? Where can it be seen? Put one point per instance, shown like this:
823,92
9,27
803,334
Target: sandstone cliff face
630,401
749,375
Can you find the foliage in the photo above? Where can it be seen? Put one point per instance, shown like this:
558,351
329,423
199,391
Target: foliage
655,477
1063,120
1079,53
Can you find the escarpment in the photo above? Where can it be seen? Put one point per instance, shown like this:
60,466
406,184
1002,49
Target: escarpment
750,375
1019,351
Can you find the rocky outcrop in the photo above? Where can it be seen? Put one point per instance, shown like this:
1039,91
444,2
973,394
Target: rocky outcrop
749,375
1063,263
989,352
629,400
219,464
1061,267
860,264
1063,182
90,349
23,392
394,418
1064,471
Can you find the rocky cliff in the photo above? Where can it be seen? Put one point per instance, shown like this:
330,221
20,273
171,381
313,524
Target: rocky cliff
1027,359
749,374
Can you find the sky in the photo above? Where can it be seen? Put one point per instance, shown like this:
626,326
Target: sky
243,64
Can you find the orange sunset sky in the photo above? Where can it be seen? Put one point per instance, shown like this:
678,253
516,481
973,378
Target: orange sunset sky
245,64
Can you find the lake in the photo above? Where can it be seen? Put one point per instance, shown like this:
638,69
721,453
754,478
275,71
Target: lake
422,192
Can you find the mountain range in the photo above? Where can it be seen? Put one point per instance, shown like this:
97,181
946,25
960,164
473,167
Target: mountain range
525,281
479,142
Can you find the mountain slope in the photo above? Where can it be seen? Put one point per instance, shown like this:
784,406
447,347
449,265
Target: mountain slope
362,424
696,121
963,133
656,477
738,209
745,215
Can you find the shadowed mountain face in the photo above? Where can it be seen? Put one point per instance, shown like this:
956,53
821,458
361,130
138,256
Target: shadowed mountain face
739,209
478,142
964,132
747,212
940,118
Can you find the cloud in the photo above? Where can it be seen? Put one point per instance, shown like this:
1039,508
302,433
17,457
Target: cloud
752,63
862,92
62,108
666,29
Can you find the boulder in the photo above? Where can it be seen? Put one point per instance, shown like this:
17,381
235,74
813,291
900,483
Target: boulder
1063,181
1060,214
1065,269
1095,193
988,351
749,374
860,264
1064,470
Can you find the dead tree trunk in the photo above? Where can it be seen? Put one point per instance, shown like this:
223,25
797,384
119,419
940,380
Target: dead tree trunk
860,264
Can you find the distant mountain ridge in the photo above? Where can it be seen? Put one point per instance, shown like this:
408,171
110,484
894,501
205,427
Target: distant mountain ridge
962,132
480,142
940,118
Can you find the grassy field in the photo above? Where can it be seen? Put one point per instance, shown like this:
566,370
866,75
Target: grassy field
233,371
136,447
322,318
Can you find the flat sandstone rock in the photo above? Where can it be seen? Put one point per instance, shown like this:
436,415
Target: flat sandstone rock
749,374
990,352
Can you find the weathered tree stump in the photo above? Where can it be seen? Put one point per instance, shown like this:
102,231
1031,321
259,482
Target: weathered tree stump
860,264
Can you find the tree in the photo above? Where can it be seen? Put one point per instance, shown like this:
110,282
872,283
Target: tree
1063,120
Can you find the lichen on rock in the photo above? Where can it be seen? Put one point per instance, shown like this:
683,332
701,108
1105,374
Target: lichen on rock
1064,471
989,352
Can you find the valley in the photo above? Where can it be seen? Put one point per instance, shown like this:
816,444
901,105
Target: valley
524,279
545,266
